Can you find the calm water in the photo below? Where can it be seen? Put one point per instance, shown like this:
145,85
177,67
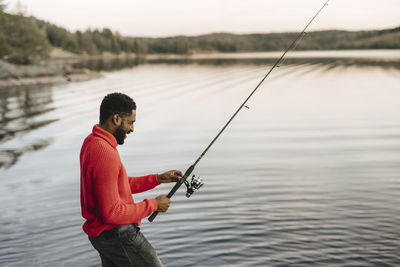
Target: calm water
309,175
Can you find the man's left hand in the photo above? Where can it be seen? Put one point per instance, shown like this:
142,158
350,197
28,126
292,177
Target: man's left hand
169,176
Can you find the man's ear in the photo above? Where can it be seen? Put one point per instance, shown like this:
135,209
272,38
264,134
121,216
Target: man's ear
116,119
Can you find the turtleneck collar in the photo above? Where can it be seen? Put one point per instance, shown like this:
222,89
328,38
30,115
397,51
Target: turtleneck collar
97,131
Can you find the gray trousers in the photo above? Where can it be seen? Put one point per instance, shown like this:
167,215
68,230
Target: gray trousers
125,246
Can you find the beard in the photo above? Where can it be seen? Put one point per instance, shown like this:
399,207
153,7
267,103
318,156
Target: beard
119,134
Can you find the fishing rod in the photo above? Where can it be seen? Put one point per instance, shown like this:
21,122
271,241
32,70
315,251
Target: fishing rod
197,182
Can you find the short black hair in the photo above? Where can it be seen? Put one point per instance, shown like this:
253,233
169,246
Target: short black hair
116,103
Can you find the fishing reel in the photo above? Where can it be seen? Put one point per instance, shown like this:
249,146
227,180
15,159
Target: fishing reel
194,184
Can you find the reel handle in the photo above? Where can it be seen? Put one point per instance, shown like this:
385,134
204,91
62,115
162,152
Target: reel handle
174,189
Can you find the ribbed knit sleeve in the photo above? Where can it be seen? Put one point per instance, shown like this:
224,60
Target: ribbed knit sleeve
107,188
143,183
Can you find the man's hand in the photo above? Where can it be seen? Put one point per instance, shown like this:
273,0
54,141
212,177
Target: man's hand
162,203
169,176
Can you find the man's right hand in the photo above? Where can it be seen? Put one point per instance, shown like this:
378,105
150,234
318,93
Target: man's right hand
163,203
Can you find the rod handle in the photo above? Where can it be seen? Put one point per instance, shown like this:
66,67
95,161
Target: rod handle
174,189
153,216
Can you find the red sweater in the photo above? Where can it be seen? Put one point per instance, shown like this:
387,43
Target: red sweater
106,189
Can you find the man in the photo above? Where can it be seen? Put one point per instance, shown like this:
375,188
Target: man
112,217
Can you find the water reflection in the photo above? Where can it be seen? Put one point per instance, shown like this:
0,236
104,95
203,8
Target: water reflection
334,62
22,109
9,157
108,64
121,63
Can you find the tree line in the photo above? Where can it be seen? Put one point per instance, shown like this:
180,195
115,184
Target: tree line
24,40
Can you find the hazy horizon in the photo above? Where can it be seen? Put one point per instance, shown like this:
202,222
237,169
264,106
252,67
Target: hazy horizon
191,18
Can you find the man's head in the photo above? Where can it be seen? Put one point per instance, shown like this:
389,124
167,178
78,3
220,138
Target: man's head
117,115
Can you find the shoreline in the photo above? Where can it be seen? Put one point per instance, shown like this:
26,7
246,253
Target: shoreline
58,69
45,80
46,72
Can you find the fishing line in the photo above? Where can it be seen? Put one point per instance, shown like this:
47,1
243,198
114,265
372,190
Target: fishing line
196,182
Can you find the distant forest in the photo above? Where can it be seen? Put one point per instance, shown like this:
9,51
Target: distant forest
24,40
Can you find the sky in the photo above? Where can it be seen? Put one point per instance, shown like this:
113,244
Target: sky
160,18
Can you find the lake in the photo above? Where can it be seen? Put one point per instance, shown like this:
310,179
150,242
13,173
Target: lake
308,175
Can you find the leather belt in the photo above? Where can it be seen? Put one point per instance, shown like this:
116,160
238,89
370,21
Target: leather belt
118,229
